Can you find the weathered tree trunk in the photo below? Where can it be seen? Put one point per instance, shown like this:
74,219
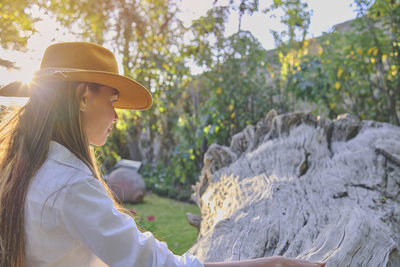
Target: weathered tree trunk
302,186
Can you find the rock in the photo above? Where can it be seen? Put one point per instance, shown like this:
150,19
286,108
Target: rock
304,187
127,185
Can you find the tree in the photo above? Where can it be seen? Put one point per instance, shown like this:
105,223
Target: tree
356,71
291,47
16,25
240,82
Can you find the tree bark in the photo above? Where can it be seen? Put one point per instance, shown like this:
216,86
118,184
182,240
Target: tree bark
302,186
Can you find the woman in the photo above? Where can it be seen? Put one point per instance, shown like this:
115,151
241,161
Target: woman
55,208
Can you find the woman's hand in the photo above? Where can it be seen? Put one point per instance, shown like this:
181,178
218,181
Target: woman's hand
275,261
289,262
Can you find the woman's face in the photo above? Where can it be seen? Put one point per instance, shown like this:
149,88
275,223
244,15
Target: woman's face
98,114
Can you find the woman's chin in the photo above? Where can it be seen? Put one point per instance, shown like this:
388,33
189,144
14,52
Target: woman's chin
98,142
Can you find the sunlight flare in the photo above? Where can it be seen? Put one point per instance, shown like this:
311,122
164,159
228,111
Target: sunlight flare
13,101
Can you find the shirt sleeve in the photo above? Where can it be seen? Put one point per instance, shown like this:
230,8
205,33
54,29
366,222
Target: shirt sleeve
90,216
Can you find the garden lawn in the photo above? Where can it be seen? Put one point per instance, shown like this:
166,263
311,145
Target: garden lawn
166,219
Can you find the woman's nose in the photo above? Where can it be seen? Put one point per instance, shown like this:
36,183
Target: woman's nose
115,116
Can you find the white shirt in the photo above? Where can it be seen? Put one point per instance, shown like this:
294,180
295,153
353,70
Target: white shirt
71,221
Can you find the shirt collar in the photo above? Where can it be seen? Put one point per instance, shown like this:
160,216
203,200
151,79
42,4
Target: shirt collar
62,155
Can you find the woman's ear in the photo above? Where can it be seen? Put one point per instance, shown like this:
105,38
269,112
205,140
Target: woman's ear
83,91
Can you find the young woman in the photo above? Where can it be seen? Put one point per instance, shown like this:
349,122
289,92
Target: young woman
55,209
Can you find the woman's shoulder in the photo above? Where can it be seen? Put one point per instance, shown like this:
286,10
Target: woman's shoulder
54,173
60,171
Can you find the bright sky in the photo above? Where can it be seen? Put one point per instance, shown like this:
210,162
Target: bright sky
326,13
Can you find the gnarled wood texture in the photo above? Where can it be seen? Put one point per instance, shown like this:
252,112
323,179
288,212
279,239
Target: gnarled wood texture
302,186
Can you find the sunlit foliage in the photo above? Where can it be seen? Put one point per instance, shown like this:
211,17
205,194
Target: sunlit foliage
354,70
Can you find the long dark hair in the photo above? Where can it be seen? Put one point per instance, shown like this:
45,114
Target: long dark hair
52,113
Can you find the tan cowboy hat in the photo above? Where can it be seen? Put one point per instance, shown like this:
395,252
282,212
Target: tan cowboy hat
84,62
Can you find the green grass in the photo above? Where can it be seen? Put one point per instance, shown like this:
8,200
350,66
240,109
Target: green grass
170,224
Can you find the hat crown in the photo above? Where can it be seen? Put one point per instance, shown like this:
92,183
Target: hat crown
79,56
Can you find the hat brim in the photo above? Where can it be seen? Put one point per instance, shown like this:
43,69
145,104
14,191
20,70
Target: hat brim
15,89
132,95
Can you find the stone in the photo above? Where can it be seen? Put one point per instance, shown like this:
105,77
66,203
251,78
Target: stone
303,186
127,185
